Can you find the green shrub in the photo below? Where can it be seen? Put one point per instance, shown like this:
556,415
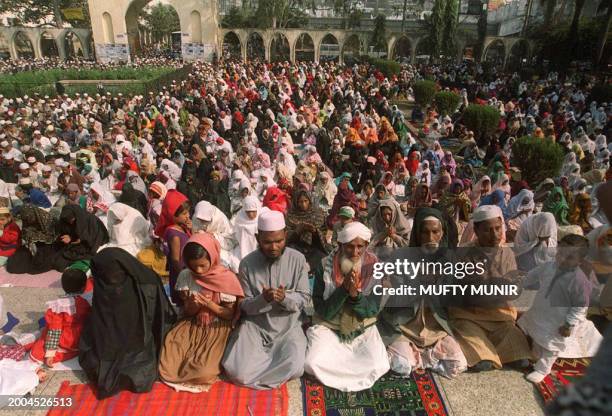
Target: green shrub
424,92
386,66
446,102
538,159
602,93
481,119
22,83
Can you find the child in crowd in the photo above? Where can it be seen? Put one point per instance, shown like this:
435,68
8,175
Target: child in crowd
65,318
557,322
10,235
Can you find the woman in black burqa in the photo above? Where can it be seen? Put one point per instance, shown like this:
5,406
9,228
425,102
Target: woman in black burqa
79,235
131,314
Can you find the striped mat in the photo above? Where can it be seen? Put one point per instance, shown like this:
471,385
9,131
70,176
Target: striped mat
223,399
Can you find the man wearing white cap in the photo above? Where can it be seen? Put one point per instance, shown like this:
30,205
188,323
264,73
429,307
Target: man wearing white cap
9,150
269,346
488,335
345,350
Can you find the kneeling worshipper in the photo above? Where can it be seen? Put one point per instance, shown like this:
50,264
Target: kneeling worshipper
485,326
391,228
130,317
345,350
269,346
556,321
191,357
80,235
208,218
416,329
127,228
535,242
10,235
306,228
245,229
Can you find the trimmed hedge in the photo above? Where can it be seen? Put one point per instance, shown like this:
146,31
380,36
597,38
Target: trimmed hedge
446,102
386,66
424,92
481,119
538,159
43,82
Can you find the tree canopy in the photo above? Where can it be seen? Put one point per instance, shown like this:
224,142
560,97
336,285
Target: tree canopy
161,20
41,12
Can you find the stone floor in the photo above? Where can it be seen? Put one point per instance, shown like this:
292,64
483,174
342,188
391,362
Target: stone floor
494,393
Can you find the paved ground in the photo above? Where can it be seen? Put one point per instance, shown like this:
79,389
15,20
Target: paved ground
493,393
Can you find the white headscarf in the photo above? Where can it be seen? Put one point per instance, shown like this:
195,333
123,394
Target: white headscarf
127,228
218,224
517,204
245,228
539,225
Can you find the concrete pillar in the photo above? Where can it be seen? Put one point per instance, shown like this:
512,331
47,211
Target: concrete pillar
292,52
268,47
35,40
61,47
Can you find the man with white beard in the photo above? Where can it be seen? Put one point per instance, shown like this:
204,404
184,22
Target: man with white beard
416,330
345,350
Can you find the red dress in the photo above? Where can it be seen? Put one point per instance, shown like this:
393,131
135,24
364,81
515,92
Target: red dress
65,318
10,240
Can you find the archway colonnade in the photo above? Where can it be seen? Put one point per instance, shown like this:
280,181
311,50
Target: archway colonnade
309,45
41,42
118,36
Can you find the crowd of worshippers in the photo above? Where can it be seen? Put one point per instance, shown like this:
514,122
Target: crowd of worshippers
13,66
265,193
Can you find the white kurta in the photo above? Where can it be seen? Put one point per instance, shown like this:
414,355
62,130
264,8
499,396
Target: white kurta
542,321
16,378
346,366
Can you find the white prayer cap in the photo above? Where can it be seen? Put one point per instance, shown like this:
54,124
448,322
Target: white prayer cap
25,181
486,212
204,211
36,132
8,156
59,162
431,218
31,159
47,168
4,143
271,221
50,128
53,140
24,166
353,230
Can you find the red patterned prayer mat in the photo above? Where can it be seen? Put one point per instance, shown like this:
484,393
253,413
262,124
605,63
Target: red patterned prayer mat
223,399
15,352
564,372
417,395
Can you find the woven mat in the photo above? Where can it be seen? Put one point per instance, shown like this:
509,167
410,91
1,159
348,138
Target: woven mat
391,395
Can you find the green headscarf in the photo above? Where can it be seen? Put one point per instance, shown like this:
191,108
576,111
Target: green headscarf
557,205
497,170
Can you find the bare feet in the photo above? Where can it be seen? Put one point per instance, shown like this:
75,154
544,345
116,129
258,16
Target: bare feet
42,374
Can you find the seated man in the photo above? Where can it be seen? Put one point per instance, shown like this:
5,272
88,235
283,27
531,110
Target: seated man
345,350
269,346
417,331
484,326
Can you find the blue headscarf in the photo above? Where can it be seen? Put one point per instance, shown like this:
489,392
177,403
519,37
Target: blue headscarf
38,198
497,197
341,177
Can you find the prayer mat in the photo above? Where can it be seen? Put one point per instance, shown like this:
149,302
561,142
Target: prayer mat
43,280
564,372
14,352
391,395
223,399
